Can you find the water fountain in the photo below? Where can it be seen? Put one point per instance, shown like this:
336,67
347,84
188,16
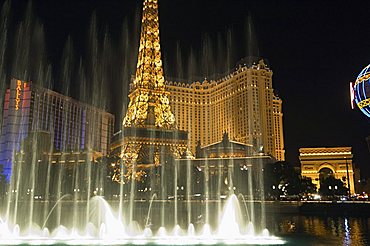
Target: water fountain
167,209
104,227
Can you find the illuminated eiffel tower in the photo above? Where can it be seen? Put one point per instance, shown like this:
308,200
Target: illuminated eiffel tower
149,134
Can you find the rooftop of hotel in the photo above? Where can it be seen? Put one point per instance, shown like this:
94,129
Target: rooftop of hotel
242,66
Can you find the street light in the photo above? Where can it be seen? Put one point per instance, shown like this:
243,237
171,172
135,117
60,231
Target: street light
348,183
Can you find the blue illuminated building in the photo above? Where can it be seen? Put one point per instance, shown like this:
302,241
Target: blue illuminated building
71,124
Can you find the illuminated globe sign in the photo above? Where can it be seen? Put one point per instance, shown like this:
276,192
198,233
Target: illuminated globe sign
361,91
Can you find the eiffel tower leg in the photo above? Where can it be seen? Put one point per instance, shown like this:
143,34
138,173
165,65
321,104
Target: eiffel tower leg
129,155
154,174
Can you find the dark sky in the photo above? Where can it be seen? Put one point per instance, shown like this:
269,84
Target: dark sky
315,48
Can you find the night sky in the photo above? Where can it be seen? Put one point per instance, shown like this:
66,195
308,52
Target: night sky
315,48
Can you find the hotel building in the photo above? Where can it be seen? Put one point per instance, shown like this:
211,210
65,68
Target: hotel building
72,125
242,104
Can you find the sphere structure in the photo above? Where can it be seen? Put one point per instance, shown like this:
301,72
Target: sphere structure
362,91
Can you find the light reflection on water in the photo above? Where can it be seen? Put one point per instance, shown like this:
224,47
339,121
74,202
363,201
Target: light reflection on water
315,230
347,237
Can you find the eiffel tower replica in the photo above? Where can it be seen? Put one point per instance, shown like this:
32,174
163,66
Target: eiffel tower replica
149,138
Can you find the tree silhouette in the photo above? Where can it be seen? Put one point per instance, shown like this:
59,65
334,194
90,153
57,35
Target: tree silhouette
330,186
281,178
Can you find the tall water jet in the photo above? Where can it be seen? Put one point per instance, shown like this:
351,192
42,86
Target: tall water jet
29,57
262,195
179,62
206,192
4,19
229,226
4,23
20,67
76,191
189,190
59,192
207,57
132,192
176,189
32,181
251,38
48,179
67,66
88,193
229,49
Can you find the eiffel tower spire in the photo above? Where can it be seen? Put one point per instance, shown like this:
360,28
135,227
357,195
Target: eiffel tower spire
149,104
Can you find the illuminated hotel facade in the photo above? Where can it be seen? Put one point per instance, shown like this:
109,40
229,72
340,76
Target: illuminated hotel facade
72,125
242,104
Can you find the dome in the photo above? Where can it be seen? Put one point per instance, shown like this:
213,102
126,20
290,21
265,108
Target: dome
362,91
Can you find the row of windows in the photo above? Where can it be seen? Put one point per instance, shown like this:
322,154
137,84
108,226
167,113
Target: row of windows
219,109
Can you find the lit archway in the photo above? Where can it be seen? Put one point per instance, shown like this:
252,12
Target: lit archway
324,173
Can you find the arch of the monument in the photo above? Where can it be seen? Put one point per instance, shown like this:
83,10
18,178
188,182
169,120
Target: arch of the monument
325,172
326,165
324,161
